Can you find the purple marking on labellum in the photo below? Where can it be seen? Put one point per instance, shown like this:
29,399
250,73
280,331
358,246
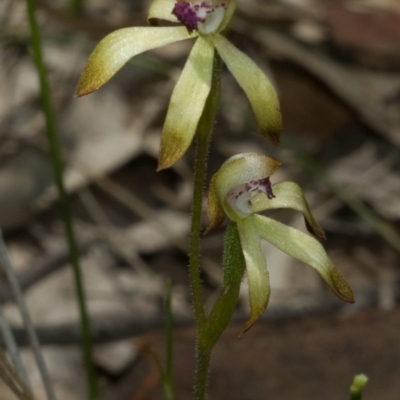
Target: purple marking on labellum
239,197
187,14
193,14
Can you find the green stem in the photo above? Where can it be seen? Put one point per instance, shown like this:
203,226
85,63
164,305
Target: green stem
194,247
55,152
221,314
204,133
234,266
202,371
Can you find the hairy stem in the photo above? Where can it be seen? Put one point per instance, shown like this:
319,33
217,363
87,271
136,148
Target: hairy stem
55,152
202,371
204,133
222,311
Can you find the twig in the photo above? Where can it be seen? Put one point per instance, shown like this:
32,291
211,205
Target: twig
41,269
33,340
12,348
12,379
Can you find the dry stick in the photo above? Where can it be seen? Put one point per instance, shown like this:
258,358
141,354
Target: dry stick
12,348
34,342
12,379
42,268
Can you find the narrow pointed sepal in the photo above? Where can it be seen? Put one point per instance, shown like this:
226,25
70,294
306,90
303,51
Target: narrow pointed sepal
187,103
288,195
305,248
116,49
161,9
257,87
256,270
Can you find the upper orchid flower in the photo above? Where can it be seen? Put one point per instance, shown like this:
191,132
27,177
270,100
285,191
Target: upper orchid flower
239,190
204,20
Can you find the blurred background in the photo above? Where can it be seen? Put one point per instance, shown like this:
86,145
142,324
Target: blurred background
336,67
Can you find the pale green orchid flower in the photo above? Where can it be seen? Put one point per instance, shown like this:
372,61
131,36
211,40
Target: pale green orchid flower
241,189
204,20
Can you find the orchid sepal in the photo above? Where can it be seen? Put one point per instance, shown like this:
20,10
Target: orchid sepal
117,48
288,195
161,9
257,87
256,270
304,248
192,88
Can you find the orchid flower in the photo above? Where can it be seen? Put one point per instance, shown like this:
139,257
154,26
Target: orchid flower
203,20
241,189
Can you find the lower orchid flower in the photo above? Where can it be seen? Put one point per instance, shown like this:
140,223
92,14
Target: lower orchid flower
241,189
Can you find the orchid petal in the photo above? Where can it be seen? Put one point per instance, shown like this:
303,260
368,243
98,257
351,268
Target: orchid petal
161,9
116,49
236,171
259,90
228,14
187,103
288,195
256,269
212,20
306,249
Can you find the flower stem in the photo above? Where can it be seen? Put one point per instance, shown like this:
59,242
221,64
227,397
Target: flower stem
204,132
202,371
194,248
55,152
221,313
234,267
